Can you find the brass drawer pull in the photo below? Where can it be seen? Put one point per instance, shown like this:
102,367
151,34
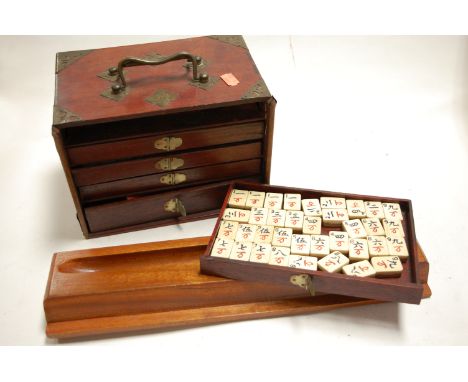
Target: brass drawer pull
174,178
175,205
168,143
169,164
304,281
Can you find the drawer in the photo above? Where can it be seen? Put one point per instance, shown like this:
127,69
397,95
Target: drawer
199,202
146,126
177,140
86,176
168,180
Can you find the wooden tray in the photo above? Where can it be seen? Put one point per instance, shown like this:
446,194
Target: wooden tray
158,286
406,288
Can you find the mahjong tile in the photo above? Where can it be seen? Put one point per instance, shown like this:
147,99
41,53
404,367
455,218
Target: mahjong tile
361,269
282,237
241,251
354,228
228,229
238,198
358,250
333,262
276,217
330,202
334,217
258,215
392,211
292,202
397,247
236,214
356,209
374,210
221,247
303,262
377,246
339,241
312,225
294,220
393,227
264,234
260,253
373,227
300,244
255,199
273,200
387,266
246,232
279,256
311,207
319,245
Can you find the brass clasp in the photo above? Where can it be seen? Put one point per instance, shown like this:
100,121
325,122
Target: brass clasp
303,281
174,178
175,205
168,143
169,163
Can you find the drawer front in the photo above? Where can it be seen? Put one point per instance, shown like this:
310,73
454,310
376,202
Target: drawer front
155,207
106,173
168,180
163,143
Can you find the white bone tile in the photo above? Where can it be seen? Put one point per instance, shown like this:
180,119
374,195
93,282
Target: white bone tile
312,225
333,262
361,269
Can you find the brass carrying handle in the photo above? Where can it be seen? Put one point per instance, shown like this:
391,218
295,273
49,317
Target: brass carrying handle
135,61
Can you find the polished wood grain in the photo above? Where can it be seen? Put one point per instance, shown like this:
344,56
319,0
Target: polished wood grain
406,288
158,286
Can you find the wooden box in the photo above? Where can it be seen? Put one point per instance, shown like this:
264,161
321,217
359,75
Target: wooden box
151,134
405,288
158,286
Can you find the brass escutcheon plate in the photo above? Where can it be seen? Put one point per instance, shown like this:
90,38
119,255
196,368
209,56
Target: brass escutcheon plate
175,205
168,143
169,164
304,281
171,179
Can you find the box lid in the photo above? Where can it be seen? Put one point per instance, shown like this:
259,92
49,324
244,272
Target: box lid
84,92
158,286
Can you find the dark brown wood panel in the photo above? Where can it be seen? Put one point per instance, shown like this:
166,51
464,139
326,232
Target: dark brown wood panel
191,139
159,286
86,176
406,288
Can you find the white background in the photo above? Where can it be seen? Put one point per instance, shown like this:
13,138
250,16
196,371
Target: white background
373,115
